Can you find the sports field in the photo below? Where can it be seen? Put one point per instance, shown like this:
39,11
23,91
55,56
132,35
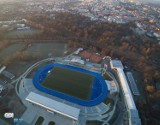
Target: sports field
70,82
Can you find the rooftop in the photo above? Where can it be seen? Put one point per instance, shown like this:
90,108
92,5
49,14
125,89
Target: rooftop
53,105
91,56
116,64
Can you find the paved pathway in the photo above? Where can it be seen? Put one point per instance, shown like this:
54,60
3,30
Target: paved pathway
29,114
2,122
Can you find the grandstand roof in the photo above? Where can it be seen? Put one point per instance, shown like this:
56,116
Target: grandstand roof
53,105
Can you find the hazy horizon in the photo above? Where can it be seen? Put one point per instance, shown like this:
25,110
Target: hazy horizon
143,1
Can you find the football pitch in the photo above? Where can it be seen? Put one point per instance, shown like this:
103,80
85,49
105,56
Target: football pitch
70,82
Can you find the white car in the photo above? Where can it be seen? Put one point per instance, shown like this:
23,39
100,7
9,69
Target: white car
9,115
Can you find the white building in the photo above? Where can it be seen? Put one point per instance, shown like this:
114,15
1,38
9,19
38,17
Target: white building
2,69
111,86
76,60
54,106
78,50
130,105
20,25
23,28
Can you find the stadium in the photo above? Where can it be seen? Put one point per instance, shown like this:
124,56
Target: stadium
71,83
65,93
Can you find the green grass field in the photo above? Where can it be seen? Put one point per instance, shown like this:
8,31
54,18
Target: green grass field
11,50
70,82
55,48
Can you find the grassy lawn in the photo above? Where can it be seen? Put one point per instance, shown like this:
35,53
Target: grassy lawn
9,51
22,33
56,49
39,121
70,82
51,123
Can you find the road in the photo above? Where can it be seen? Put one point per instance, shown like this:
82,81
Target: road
2,122
106,61
31,68
28,71
116,100
119,120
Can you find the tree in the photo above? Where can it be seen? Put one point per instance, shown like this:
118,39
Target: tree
17,55
124,46
149,88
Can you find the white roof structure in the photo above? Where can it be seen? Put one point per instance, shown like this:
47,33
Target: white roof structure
2,69
133,112
77,60
54,106
116,64
126,89
1,88
78,50
111,86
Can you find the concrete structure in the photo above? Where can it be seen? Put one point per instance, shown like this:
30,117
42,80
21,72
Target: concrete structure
1,88
23,28
2,69
1,82
131,107
20,25
133,85
8,74
111,86
78,50
76,60
53,106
